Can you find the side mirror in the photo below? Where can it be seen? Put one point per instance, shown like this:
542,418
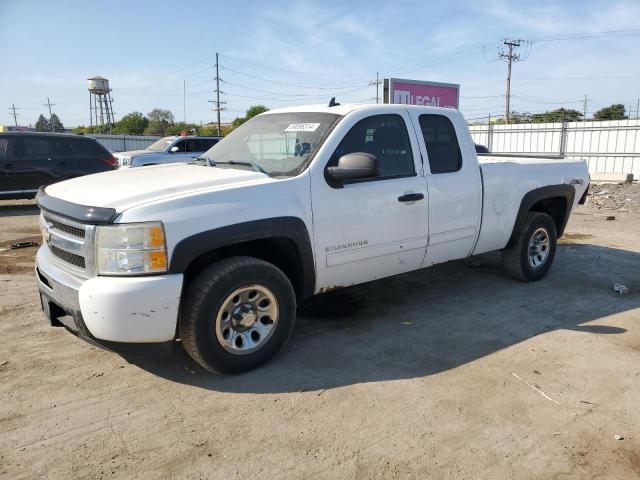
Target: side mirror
354,166
174,149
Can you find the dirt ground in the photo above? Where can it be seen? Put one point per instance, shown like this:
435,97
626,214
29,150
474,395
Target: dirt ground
452,372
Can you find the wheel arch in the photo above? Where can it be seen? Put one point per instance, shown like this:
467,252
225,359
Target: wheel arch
282,241
554,200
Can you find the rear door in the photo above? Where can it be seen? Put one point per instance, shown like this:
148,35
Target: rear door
455,187
37,164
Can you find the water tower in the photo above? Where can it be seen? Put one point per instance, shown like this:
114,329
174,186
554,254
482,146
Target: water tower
100,101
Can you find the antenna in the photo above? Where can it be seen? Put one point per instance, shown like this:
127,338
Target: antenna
333,103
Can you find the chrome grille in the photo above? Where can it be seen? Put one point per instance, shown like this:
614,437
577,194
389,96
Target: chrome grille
70,243
69,257
75,231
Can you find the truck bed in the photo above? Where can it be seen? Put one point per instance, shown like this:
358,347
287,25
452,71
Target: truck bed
506,180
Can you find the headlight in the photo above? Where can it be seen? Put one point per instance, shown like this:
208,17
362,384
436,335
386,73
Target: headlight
131,249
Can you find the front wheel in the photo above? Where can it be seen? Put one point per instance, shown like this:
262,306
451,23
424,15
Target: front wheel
533,250
237,314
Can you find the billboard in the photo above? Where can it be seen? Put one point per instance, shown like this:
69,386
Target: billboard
418,92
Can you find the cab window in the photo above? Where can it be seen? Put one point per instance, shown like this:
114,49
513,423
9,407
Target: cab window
384,136
442,143
33,146
181,146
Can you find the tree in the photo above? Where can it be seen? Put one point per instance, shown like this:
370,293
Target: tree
255,110
159,120
251,112
42,125
612,112
132,124
514,117
56,124
179,127
558,115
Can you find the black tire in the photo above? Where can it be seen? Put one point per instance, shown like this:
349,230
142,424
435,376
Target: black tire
515,260
205,297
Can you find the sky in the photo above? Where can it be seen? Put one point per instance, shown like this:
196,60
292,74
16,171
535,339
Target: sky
279,53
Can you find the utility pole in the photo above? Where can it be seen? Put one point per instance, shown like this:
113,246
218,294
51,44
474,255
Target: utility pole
584,112
218,93
49,104
377,82
15,115
509,56
638,109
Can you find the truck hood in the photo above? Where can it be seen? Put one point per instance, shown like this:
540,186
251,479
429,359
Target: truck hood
122,189
134,153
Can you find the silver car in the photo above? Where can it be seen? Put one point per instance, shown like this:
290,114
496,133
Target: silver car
167,150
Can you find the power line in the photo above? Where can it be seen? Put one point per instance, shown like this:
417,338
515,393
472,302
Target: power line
310,87
585,35
296,95
15,115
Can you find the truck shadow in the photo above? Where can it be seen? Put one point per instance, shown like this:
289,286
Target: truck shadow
429,321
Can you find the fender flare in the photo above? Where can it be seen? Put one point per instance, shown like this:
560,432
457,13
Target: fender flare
531,198
291,228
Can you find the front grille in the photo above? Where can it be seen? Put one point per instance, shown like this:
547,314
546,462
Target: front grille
72,258
70,243
68,229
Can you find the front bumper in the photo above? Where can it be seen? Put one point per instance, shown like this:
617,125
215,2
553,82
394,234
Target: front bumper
114,309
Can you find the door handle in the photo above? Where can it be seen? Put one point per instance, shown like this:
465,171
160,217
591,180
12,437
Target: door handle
410,197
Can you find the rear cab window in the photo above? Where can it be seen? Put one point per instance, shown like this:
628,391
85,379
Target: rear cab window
442,145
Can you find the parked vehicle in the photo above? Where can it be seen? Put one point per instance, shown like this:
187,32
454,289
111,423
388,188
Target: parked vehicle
167,150
295,202
29,160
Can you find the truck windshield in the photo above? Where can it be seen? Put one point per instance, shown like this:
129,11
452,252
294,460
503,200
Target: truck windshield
281,144
161,145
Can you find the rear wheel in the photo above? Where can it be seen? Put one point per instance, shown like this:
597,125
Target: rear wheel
237,314
533,250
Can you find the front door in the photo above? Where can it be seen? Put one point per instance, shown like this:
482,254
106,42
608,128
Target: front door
370,229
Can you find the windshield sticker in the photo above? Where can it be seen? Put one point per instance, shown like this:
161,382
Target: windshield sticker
302,127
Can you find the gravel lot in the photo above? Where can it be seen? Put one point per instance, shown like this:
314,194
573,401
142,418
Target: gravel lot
452,372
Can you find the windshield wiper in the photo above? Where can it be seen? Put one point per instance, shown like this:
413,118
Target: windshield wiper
253,165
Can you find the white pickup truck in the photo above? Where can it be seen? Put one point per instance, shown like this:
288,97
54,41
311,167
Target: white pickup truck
177,148
218,253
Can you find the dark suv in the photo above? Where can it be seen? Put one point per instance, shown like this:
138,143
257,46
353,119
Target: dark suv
29,160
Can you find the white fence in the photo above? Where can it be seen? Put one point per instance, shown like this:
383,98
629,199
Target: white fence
608,147
122,143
